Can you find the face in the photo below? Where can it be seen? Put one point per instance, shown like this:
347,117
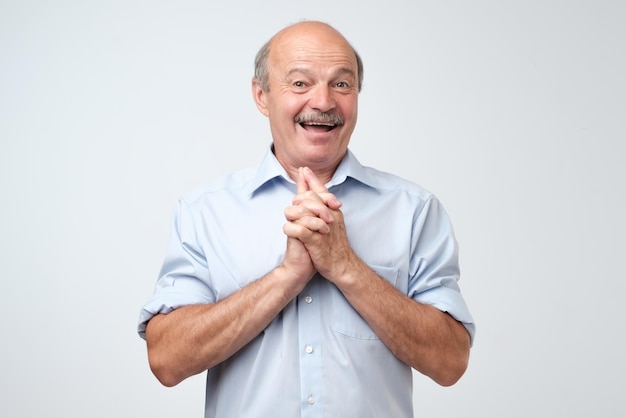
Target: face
312,97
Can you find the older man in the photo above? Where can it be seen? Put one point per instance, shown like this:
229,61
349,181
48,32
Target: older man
310,285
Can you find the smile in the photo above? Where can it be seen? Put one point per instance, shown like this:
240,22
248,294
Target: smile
322,122
318,127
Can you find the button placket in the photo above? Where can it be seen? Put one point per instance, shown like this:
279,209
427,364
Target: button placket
310,336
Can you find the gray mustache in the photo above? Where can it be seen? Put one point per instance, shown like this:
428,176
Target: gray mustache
320,118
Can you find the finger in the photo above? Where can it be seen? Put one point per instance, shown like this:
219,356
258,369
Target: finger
295,212
314,183
301,182
305,228
327,198
314,224
299,232
308,207
330,200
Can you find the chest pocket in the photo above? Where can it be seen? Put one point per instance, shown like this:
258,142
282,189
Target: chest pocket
345,319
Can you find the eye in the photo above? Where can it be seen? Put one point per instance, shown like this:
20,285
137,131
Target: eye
299,84
342,85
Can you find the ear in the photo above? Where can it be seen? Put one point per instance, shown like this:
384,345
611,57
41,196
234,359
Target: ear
259,96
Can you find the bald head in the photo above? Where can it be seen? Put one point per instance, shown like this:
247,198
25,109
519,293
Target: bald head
310,30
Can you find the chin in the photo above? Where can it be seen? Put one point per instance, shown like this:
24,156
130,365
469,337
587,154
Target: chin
323,154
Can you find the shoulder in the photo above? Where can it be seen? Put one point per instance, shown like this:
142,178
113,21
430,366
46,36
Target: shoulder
392,183
381,181
234,183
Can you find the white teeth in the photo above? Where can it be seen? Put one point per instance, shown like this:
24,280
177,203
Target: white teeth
319,124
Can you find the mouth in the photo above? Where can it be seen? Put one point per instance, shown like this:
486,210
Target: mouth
319,123
317,127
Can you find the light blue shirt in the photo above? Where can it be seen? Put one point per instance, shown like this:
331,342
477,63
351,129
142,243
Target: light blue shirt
318,357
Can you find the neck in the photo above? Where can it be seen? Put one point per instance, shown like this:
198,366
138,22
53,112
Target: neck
324,176
324,170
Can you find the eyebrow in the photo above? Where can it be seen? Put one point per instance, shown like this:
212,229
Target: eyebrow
306,71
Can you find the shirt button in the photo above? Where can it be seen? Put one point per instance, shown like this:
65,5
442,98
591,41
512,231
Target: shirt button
311,400
308,349
308,299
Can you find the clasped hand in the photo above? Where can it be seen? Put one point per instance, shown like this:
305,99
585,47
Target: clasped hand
315,221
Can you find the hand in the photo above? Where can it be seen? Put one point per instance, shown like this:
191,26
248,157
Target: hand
316,221
297,262
311,207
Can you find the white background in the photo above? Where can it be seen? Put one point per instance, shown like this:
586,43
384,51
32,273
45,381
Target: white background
512,112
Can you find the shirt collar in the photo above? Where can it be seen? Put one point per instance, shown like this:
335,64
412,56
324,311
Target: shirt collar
270,169
350,167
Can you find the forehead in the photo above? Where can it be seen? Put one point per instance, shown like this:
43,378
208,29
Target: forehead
311,47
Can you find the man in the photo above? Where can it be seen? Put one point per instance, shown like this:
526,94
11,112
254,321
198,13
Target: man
310,285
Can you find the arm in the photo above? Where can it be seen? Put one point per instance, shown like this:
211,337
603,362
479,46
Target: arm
422,336
192,339
427,339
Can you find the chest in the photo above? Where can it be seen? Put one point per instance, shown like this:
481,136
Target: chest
244,242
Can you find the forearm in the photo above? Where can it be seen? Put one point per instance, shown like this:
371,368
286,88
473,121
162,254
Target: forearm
194,338
423,337
430,341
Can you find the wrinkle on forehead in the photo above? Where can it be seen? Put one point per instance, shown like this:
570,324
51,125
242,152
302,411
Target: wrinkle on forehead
334,72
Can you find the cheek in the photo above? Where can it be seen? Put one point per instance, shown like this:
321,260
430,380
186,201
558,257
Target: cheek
348,105
291,106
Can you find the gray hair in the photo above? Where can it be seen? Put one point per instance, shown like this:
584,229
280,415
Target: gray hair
262,70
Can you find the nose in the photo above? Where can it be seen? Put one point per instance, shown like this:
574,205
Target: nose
322,98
